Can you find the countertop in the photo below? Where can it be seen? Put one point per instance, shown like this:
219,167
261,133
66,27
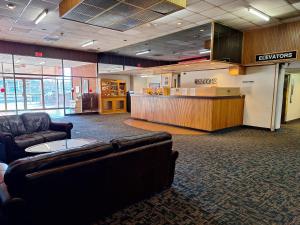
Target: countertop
188,96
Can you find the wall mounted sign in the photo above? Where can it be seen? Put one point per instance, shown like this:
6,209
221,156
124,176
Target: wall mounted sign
206,81
38,54
276,56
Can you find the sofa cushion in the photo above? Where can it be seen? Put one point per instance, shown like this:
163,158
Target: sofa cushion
15,176
27,140
4,125
125,143
35,122
16,125
50,135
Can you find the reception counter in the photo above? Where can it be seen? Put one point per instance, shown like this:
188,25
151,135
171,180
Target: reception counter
198,112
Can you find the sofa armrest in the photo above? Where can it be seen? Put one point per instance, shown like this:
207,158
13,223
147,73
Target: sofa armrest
4,195
66,127
174,156
9,206
14,212
6,138
6,145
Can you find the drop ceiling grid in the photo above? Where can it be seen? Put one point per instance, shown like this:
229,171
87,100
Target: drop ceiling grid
228,12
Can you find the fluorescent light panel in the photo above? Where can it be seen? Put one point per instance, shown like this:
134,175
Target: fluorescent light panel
143,52
88,44
147,76
41,16
204,51
259,14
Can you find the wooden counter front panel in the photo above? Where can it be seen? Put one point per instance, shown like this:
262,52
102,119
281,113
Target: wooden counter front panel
227,113
200,113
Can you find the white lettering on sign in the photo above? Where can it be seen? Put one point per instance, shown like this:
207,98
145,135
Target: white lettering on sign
277,56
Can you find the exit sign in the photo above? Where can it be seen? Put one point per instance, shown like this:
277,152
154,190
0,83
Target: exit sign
38,54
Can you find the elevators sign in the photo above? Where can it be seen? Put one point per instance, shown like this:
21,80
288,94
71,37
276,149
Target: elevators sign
276,56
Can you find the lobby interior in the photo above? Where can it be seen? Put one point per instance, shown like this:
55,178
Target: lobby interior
189,111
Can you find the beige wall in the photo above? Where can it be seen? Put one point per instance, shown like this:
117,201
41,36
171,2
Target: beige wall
138,84
257,86
293,99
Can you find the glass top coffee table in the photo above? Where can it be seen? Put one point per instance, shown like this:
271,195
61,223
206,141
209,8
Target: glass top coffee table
61,145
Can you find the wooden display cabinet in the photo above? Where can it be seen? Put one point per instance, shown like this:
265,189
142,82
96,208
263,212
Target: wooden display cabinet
112,96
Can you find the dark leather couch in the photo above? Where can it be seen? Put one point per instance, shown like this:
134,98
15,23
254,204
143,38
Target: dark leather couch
19,132
81,185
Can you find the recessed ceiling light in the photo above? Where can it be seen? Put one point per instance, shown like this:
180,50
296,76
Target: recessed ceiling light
179,23
259,14
88,43
10,5
41,16
202,30
143,52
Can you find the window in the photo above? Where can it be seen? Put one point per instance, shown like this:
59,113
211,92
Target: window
85,86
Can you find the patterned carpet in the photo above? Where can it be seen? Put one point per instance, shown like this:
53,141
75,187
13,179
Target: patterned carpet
238,176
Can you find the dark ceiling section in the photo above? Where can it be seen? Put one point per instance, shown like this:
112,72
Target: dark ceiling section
15,48
119,15
228,44
129,61
187,44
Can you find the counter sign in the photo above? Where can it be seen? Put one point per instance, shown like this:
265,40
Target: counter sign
206,81
276,56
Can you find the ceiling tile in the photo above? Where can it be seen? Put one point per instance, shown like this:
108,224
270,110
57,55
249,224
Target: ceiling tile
195,18
213,12
218,2
234,6
200,7
183,13
277,12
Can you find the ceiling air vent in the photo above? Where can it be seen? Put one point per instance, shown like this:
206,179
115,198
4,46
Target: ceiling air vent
51,38
118,15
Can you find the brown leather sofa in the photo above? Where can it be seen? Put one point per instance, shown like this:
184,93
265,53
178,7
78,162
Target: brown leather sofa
82,185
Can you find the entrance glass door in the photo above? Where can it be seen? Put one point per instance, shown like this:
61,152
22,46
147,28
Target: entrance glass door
10,94
51,93
34,94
